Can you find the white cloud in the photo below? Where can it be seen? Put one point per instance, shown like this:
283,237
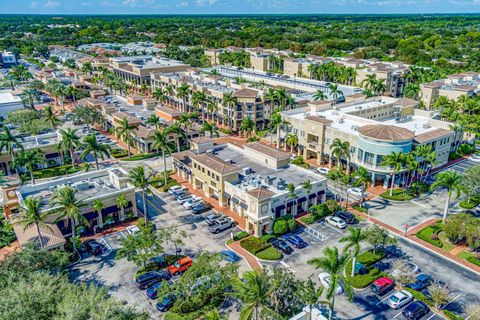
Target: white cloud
205,2
51,4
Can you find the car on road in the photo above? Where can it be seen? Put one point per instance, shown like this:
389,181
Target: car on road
346,216
93,247
325,280
221,224
132,230
166,303
382,286
211,218
281,245
474,158
399,299
192,202
409,268
357,192
230,256
422,281
336,222
323,171
295,240
175,188
180,266
200,208
415,310
148,279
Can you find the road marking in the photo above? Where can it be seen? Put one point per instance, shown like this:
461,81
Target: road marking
398,315
418,204
384,299
332,227
473,313
458,296
433,315
121,232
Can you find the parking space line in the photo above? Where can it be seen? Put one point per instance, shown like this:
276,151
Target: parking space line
433,315
418,204
123,234
473,313
327,225
397,314
458,296
384,299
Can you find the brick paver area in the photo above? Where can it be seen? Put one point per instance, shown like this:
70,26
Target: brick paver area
251,260
224,210
5,251
114,229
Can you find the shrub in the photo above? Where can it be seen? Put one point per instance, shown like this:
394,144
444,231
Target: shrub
358,208
267,237
320,211
169,184
418,187
467,205
119,154
360,281
452,316
240,235
140,156
426,234
309,219
254,245
269,254
368,258
417,295
453,156
284,224
474,260
225,131
465,149
55,171
397,195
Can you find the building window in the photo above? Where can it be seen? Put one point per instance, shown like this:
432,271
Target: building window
302,133
369,157
379,160
360,155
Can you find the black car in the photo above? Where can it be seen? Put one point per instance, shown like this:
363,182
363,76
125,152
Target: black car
281,246
202,207
415,310
346,216
147,279
93,247
166,303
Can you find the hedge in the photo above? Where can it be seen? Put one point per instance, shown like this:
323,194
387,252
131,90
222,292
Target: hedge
452,316
368,258
420,296
426,235
467,205
254,245
474,260
240,235
358,208
269,254
56,171
140,156
397,195
169,184
308,219
360,281
284,224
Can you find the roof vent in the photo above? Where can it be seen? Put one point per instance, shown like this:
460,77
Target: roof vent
426,125
340,120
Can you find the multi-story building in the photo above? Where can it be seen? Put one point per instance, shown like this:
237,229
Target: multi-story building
213,56
374,128
260,62
7,59
453,87
300,67
9,102
104,185
251,181
393,73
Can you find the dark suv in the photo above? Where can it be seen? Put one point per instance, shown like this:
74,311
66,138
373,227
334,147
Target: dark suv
147,279
347,217
415,310
281,245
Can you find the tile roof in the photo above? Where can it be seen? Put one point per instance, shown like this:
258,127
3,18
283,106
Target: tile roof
267,150
246,93
52,237
260,193
386,132
434,134
143,132
319,120
214,163
121,115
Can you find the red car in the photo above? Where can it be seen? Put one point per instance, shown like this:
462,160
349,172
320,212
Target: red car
382,285
180,266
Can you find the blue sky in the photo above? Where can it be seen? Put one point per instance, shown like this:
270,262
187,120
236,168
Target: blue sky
237,6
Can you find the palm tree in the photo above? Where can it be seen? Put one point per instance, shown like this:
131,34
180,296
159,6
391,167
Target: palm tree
319,95
255,291
183,91
141,178
50,118
198,101
66,204
154,120
160,95
186,120
340,149
380,87
176,129
271,96
292,140
161,143
122,203
451,180
307,186
73,93
362,178
29,97
9,142
396,161
90,145
335,92
247,126
333,263
369,82
29,159
354,240
229,100
210,128
98,206
69,141
31,215
276,123
124,131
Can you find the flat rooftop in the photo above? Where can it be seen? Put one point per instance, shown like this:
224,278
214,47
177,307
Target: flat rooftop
6,97
290,174
90,185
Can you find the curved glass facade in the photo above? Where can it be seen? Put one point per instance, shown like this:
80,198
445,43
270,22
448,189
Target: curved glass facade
370,151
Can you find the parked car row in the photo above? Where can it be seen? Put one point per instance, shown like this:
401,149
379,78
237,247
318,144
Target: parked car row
152,281
189,201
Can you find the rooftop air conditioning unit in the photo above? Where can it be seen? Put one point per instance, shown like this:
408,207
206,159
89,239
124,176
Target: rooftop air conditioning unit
426,125
340,120
247,170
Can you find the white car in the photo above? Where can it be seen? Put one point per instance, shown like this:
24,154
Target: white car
399,299
357,192
190,199
323,171
336,222
325,280
175,188
475,158
132,230
192,202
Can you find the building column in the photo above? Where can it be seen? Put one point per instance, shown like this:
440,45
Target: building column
121,214
100,220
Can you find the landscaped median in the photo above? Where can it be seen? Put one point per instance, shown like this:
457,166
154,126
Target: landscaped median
260,248
414,191
56,171
368,259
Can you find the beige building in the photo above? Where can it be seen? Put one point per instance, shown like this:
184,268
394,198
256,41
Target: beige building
260,62
213,56
252,182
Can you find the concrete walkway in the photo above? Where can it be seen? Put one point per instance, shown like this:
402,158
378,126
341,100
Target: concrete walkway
251,260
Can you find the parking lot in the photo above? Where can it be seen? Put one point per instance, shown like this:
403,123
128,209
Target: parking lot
462,166
118,275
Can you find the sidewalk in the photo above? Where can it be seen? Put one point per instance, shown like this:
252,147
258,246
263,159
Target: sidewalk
240,221
117,228
251,260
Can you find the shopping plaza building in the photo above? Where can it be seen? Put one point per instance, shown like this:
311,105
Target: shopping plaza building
374,128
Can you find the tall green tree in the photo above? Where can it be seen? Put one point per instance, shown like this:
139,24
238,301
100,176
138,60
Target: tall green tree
29,159
9,142
162,143
31,215
142,179
247,126
451,180
353,242
125,132
50,118
90,145
69,141
396,161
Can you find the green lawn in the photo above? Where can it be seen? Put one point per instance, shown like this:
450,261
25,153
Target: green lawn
56,171
269,254
426,234
397,195
447,246
470,257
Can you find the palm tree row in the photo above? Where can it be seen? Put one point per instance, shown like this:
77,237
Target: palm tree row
374,86
332,72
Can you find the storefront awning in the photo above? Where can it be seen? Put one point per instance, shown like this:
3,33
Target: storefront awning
312,196
226,195
302,199
279,208
243,205
235,200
